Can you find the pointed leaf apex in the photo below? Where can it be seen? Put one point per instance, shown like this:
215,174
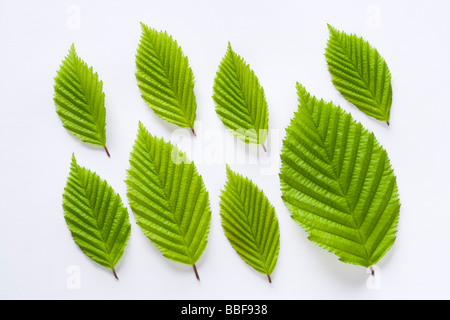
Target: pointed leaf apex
230,172
301,91
144,26
72,50
229,49
74,160
331,28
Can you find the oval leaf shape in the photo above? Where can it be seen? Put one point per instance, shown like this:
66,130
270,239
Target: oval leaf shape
250,223
95,216
338,183
80,101
168,198
165,78
359,73
240,100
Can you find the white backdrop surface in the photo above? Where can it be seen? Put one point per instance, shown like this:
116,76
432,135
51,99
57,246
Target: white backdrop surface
284,42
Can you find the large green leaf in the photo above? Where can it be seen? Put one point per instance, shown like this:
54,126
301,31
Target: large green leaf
96,216
250,223
165,78
168,198
80,101
359,73
240,100
338,183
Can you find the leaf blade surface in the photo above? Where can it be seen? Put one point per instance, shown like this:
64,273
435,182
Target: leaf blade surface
168,198
338,183
240,100
96,217
250,223
165,78
359,73
80,101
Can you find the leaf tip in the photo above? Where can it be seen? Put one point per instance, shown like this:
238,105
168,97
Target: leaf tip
301,90
74,160
72,51
229,49
141,127
143,26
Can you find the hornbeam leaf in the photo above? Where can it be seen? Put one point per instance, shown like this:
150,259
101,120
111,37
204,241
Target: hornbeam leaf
165,78
337,181
359,73
240,100
168,198
95,216
80,101
250,223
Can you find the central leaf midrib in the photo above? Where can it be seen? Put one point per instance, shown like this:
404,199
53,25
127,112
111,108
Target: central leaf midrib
92,207
354,64
171,210
76,66
169,81
344,193
242,201
234,64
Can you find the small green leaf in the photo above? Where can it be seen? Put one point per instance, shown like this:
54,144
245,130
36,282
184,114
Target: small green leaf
168,198
359,73
337,181
165,78
80,101
95,216
250,223
240,100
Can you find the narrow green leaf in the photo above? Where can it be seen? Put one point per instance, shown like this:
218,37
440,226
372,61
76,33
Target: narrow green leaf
95,216
168,198
338,183
240,100
165,78
359,73
250,223
80,101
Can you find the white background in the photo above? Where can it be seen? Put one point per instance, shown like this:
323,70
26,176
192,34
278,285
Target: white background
284,42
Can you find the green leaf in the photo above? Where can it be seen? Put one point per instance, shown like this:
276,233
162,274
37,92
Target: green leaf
95,216
165,78
168,198
80,101
240,100
250,223
337,181
359,73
